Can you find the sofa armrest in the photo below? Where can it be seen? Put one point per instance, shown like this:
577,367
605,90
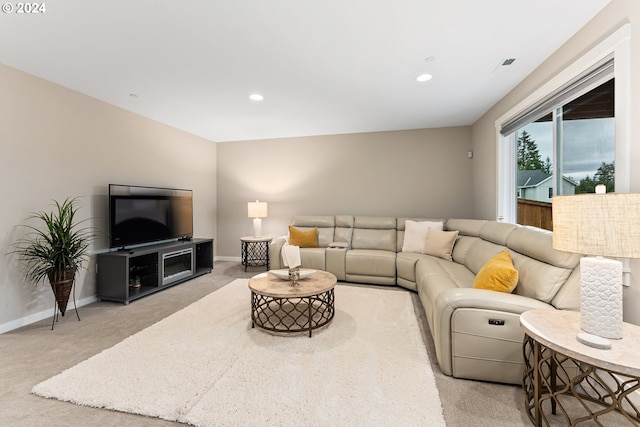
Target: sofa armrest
450,300
336,262
275,251
485,304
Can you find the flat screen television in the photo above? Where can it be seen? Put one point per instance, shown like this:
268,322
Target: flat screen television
140,215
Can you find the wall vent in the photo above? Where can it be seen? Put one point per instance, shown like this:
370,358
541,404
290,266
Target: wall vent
504,64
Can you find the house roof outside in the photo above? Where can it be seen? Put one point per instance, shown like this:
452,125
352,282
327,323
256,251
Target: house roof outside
534,178
531,178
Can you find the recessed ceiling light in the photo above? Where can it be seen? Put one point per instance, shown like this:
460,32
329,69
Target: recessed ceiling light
424,77
256,97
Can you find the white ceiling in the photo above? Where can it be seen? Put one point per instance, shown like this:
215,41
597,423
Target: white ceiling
324,67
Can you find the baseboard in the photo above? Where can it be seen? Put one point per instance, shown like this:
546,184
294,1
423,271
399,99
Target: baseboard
36,317
228,258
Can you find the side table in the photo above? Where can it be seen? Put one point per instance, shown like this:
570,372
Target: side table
255,251
568,382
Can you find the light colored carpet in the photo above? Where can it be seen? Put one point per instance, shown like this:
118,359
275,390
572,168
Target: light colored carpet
205,366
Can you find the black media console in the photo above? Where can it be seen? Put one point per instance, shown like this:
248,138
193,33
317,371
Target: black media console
129,274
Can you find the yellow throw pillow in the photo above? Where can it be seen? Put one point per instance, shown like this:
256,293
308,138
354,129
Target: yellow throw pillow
304,239
498,274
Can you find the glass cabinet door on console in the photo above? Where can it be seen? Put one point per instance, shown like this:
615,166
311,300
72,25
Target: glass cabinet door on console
126,275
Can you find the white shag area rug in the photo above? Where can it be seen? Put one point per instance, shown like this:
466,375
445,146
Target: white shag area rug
206,366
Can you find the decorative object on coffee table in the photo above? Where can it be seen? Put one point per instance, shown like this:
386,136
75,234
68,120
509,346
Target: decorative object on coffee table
283,273
56,250
605,225
291,258
294,276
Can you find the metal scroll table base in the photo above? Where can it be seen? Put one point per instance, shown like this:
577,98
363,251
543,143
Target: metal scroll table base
560,390
289,315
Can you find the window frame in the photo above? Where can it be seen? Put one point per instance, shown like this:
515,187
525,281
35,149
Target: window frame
616,45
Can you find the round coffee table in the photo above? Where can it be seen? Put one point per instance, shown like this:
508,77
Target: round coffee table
277,306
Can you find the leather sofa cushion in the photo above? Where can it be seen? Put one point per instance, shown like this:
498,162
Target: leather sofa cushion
313,258
474,252
406,265
568,297
372,280
542,269
344,229
538,280
466,227
378,233
436,276
320,221
538,244
497,232
483,351
368,262
325,224
375,222
382,240
407,284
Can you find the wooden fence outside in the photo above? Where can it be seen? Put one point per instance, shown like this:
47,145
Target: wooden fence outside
533,212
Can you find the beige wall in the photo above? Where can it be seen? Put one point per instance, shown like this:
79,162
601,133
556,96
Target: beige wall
406,173
617,13
58,143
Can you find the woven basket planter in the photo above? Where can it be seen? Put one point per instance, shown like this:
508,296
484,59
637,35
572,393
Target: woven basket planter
61,284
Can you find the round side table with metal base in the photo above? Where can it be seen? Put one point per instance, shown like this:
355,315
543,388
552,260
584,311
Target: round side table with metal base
255,251
567,382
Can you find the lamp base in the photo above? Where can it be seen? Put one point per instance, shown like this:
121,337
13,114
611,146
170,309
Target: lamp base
594,341
257,227
601,297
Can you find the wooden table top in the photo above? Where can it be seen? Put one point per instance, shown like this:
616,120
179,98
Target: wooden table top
269,285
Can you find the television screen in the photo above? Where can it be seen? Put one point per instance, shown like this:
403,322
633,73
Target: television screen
149,214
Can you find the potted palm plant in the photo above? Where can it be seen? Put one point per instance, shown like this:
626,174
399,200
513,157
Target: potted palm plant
56,249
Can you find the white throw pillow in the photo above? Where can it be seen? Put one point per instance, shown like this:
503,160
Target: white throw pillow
415,234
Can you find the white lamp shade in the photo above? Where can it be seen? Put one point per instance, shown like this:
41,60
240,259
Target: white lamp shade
257,209
598,224
604,225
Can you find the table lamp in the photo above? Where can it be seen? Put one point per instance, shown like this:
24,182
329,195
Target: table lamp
257,210
605,225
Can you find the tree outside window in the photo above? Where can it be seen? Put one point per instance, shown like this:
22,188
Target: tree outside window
583,156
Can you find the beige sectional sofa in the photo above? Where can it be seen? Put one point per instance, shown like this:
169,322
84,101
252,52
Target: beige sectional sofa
476,332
